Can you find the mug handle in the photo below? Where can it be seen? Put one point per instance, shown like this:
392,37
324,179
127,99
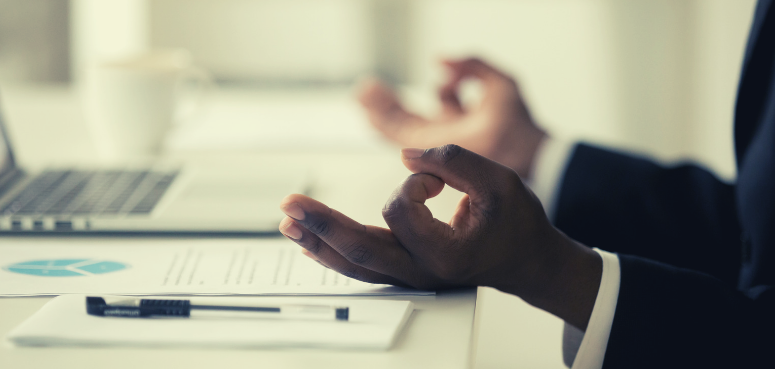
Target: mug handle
203,82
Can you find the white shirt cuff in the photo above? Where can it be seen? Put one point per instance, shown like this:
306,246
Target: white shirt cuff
548,169
592,349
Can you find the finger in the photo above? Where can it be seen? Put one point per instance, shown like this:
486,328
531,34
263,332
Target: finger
450,101
496,84
461,169
308,254
369,247
407,215
325,255
472,67
448,94
384,110
461,212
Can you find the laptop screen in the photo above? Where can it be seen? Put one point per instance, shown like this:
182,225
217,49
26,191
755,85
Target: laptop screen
6,158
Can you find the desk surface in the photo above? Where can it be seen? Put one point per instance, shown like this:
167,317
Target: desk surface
452,330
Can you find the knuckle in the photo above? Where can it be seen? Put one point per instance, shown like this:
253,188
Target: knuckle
394,207
316,246
449,152
395,215
358,253
319,226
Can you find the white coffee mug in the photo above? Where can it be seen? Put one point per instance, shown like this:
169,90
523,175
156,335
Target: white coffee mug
132,103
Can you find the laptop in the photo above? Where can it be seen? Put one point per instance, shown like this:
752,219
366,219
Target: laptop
215,198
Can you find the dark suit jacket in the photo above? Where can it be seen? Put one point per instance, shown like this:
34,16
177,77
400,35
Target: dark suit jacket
697,255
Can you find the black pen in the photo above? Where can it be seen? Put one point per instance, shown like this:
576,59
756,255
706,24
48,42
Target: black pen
146,308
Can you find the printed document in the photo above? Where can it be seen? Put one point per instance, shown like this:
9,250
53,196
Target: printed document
270,266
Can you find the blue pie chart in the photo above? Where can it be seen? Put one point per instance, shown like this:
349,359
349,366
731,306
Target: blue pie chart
65,267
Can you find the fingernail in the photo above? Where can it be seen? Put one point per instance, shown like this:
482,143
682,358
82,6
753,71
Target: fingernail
292,231
294,211
308,254
411,153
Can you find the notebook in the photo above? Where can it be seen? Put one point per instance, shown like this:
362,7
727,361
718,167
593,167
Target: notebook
372,325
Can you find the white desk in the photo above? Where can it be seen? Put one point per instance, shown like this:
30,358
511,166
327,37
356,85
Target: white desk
47,125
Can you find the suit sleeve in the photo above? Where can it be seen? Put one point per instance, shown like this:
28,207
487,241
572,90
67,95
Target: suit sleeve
669,317
682,215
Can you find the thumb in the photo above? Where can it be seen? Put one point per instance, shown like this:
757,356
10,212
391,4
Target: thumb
461,169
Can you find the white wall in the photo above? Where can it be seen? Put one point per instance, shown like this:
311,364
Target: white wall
268,40
560,50
654,76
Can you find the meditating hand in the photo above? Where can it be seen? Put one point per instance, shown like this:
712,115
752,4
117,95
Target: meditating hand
499,236
499,127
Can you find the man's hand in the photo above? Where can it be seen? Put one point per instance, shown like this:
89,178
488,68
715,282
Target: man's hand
499,128
499,237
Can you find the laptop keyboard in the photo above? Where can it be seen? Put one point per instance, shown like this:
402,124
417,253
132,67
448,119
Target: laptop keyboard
89,193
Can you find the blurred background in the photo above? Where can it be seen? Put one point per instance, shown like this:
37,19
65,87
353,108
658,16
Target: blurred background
652,76
655,76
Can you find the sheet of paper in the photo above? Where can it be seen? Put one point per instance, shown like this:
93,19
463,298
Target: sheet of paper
373,325
172,266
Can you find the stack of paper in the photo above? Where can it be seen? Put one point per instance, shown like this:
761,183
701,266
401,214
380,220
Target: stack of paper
373,325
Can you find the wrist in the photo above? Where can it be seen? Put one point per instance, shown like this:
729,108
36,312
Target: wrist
524,151
566,282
